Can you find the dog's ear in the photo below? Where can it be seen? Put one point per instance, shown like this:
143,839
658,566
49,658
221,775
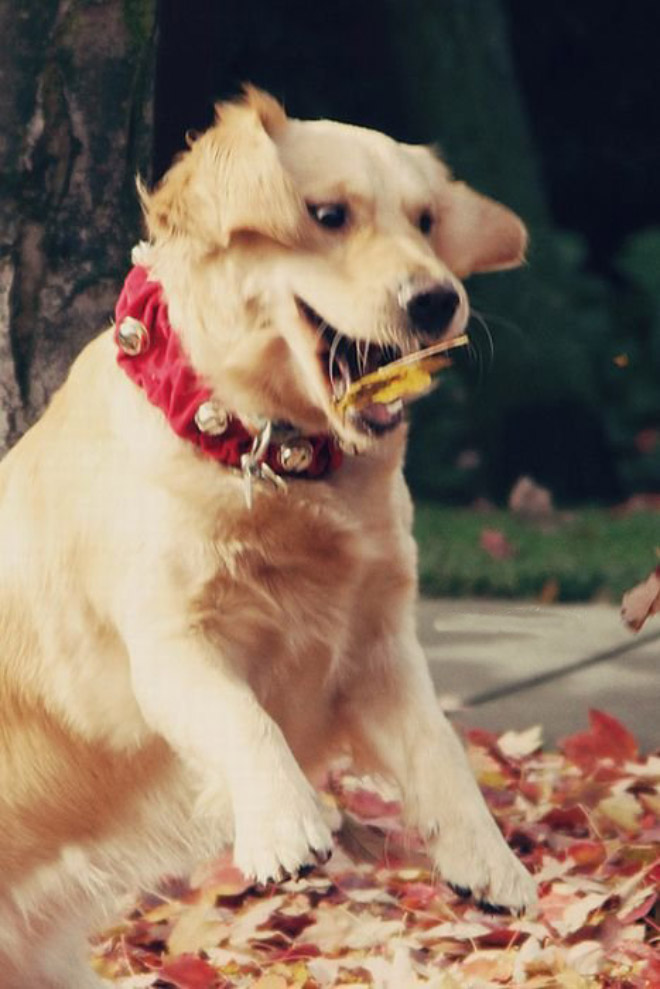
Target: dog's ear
471,232
474,233
231,180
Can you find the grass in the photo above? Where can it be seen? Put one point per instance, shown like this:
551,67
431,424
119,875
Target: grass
585,554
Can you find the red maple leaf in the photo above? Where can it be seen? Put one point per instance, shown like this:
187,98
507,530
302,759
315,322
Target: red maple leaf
190,972
606,739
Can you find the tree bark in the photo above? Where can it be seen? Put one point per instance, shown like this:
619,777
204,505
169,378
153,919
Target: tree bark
75,119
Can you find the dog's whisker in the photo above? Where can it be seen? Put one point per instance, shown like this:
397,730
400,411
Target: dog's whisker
484,363
502,321
480,319
334,346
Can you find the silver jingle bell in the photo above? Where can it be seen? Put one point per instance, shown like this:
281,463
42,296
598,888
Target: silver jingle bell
211,419
296,456
132,336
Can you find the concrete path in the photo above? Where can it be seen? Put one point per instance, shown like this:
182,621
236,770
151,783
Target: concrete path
513,665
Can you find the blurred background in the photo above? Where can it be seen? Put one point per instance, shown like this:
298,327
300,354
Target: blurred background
551,109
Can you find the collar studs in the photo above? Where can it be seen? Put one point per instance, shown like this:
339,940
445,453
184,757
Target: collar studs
211,419
296,456
132,336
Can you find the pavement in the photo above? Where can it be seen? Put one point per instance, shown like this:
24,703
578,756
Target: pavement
501,665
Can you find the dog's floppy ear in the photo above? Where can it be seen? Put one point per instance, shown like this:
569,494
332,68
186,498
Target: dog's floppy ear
231,180
474,233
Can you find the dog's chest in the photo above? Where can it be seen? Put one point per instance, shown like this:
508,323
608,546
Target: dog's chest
296,587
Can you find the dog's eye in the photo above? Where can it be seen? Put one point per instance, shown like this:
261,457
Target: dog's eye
331,215
426,221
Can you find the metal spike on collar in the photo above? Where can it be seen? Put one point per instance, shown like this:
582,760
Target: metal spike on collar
253,466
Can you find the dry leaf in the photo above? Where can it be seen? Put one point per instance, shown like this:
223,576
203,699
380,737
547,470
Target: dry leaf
496,544
197,927
189,972
642,601
518,744
623,809
586,819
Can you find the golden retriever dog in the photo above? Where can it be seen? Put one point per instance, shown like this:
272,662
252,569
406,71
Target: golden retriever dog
207,572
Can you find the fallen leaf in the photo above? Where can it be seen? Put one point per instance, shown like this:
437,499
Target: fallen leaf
271,982
496,544
494,966
189,972
642,601
623,809
578,912
196,927
518,744
587,853
606,739
639,906
586,820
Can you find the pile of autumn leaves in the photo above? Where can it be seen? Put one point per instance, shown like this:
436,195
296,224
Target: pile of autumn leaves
585,820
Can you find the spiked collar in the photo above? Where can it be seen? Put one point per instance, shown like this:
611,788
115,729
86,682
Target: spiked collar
150,353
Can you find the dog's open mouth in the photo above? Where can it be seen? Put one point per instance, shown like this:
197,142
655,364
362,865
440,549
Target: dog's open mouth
345,360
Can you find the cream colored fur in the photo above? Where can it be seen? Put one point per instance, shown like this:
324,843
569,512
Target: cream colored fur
175,669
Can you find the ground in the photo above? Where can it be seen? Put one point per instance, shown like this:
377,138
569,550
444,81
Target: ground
585,819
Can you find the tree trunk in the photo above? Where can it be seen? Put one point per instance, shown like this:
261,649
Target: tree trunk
75,120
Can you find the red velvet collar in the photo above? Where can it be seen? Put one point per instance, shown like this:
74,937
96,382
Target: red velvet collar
162,370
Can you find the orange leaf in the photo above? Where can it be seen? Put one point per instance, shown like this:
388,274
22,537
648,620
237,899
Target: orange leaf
189,972
642,601
587,853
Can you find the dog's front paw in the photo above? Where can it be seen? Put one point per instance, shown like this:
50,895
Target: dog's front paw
280,837
476,861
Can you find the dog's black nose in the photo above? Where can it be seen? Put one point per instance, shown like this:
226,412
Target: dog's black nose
432,311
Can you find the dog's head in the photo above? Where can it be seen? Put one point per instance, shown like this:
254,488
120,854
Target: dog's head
299,255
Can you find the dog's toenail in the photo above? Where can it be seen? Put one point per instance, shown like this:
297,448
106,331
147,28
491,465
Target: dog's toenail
492,908
463,891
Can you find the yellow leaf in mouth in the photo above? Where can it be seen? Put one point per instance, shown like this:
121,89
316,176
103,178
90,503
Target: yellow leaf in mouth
404,379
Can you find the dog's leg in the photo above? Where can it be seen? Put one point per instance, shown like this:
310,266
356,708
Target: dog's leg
211,717
406,732
48,954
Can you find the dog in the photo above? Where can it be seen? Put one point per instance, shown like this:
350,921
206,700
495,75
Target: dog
208,577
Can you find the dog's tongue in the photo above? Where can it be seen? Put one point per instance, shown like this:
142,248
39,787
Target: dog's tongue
378,414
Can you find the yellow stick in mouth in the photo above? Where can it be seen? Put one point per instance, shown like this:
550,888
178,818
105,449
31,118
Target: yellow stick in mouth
406,378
